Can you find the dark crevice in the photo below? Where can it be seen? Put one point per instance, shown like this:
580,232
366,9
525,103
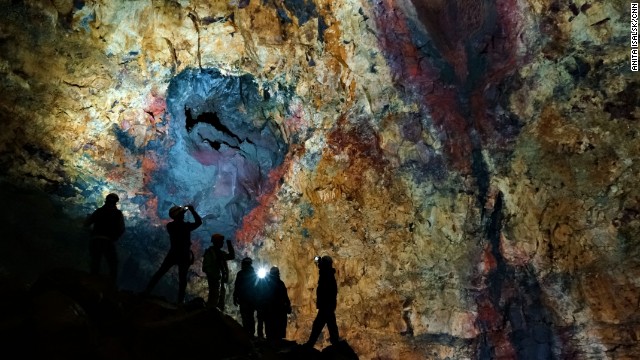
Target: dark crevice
196,20
231,146
444,339
216,144
494,228
482,175
208,118
514,293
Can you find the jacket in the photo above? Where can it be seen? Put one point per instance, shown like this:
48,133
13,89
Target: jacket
107,221
327,291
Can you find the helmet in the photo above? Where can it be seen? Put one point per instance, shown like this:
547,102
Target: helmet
326,260
217,237
176,211
247,261
274,271
112,198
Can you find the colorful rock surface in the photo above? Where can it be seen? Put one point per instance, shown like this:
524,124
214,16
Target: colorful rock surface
471,166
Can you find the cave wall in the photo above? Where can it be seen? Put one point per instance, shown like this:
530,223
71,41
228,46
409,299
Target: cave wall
471,166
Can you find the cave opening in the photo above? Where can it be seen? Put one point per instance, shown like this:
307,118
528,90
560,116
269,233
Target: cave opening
224,143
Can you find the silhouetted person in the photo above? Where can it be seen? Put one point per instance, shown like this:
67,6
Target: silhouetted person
278,306
262,293
214,264
107,226
180,252
326,301
244,295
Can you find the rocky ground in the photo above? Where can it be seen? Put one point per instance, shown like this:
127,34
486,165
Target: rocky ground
69,314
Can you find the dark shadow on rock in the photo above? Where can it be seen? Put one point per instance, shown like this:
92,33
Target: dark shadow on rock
15,328
70,314
290,350
298,351
340,351
444,339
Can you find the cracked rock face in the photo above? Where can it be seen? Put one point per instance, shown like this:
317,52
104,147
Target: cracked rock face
470,166
225,146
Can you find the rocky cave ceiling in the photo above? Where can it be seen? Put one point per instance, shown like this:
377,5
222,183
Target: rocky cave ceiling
471,165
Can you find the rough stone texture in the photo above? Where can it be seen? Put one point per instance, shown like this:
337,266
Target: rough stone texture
471,166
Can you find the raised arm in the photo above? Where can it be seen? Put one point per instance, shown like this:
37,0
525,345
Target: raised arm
196,217
232,252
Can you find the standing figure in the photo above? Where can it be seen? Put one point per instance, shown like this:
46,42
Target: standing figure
262,295
278,306
214,264
108,226
326,301
244,295
180,252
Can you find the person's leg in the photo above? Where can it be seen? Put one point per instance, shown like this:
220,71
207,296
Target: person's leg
334,336
269,328
276,326
261,324
251,314
95,254
164,267
244,318
214,292
316,328
281,326
111,256
248,321
183,270
221,297
210,290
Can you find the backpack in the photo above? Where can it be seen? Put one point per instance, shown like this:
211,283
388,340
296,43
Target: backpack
215,268
209,265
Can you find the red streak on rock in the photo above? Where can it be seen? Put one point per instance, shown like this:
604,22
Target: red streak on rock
451,25
149,166
359,142
492,325
254,223
156,104
503,57
488,260
488,315
455,28
296,122
461,110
